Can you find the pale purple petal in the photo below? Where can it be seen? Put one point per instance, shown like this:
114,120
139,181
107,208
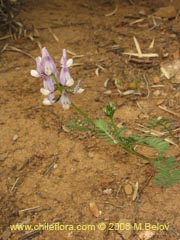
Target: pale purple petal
37,73
77,87
44,52
65,77
62,79
63,60
49,66
39,65
65,101
51,98
48,83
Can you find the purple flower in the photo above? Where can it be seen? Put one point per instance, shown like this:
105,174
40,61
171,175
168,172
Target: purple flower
39,70
64,62
48,90
65,101
44,65
48,84
49,100
48,66
45,52
46,69
77,88
65,77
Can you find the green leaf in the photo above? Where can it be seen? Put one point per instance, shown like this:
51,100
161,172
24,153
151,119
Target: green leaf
121,132
105,131
165,179
165,163
158,144
78,125
102,125
167,172
155,122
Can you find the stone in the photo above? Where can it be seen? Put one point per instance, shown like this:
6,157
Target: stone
124,228
107,191
166,12
128,189
15,138
156,79
90,154
171,69
146,235
156,93
94,209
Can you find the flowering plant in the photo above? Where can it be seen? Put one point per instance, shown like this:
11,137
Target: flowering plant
53,80
62,82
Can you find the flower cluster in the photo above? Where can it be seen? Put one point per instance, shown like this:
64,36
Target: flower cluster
53,79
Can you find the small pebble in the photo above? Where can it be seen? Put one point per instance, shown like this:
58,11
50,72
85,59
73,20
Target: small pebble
107,191
128,189
15,137
146,235
156,80
125,232
156,93
94,209
55,165
90,155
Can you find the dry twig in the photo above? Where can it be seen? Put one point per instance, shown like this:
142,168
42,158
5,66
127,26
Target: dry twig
53,35
140,54
156,133
14,49
138,48
168,110
15,183
112,13
28,209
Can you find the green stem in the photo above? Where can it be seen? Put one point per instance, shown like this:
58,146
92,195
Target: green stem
113,124
57,83
82,113
59,87
140,155
132,151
